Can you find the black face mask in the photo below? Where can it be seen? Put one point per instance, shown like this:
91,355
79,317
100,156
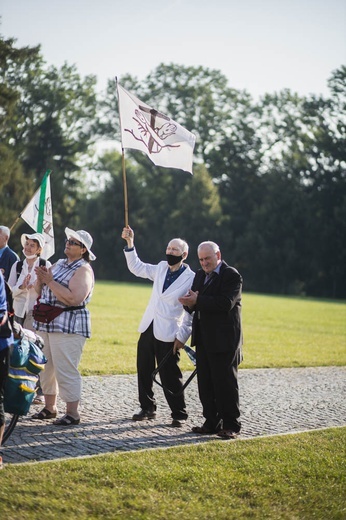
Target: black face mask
173,260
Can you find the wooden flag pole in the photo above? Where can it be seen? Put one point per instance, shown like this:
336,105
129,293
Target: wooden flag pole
14,223
125,189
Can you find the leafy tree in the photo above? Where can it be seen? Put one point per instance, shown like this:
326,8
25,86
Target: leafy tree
292,194
11,171
47,125
325,185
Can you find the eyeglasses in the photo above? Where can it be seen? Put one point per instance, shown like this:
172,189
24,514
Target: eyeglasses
72,242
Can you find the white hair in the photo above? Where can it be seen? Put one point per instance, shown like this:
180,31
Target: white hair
5,230
210,244
183,244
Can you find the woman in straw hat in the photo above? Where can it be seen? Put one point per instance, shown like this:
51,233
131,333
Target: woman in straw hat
68,284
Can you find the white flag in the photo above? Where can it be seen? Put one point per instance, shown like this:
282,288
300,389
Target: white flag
38,214
143,128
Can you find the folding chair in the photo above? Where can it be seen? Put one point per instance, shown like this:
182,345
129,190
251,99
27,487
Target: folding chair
191,354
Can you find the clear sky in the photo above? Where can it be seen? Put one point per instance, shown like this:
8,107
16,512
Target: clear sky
260,45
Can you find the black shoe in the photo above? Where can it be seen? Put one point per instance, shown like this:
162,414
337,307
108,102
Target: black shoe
227,434
177,423
144,414
205,430
202,430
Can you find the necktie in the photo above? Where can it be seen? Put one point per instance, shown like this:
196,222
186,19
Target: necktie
208,277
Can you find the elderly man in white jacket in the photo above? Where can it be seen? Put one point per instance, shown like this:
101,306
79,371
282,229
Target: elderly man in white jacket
160,325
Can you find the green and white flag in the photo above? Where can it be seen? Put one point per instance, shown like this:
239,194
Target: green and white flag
39,215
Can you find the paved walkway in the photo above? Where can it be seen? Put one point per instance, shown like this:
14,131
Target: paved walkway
272,402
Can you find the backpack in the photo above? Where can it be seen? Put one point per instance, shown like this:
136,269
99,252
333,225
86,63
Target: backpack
26,362
19,265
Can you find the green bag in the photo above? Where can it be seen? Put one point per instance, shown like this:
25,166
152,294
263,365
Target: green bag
19,391
26,362
20,352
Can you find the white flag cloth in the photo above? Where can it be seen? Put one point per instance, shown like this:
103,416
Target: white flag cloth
38,214
143,128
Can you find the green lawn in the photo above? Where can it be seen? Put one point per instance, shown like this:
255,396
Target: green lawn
282,477
278,331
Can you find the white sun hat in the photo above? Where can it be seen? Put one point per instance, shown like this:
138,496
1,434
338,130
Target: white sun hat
84,237
35,236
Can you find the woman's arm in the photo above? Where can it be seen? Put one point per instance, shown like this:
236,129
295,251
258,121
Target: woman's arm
79,287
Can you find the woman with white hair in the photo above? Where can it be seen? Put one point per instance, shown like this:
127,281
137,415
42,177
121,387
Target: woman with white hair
66,287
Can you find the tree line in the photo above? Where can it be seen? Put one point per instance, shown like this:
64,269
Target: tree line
268,184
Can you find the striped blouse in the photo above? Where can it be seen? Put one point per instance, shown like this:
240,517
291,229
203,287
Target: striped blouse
69,322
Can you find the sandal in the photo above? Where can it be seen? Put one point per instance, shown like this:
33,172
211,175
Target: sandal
66,420
227,434
39,399
44,414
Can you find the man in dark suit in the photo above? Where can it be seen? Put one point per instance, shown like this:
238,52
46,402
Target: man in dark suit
215,300
7,256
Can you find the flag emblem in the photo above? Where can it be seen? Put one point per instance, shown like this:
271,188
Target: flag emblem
144,128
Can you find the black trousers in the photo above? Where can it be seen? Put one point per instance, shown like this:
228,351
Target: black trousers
217,376
149,352
4,365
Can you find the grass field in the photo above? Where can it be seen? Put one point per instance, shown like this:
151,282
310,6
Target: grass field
278,331
289,477
283,477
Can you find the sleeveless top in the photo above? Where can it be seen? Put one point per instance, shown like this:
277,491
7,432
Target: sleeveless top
69,322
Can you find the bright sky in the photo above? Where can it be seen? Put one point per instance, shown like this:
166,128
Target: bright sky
260,45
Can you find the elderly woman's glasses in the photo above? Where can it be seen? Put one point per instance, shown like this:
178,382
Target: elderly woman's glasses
72,242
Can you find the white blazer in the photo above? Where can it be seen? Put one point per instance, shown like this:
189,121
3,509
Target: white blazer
163,308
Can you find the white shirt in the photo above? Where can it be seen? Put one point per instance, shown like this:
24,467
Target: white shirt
24,299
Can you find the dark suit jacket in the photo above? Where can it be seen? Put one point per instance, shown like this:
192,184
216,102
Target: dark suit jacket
217,316
7,260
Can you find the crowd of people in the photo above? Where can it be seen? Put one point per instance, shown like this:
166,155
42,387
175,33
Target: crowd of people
66,287
205,306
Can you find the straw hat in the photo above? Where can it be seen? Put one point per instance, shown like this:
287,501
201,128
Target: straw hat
82,236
